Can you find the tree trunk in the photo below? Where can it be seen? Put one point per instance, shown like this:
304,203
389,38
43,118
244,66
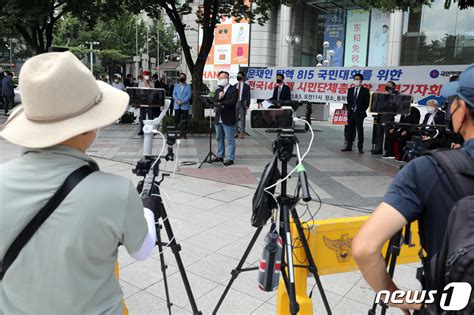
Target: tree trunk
198,106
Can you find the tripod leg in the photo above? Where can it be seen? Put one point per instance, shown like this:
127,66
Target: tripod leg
235,272
294,307
163,265
312,265
175,248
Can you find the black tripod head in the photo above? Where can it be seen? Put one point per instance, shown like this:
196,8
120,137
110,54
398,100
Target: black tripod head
284,144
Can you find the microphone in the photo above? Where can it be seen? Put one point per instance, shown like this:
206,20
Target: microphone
303,183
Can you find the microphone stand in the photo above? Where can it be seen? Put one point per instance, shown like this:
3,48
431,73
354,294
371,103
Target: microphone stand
208,159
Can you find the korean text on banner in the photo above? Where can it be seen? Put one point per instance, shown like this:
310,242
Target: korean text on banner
331,84
340,117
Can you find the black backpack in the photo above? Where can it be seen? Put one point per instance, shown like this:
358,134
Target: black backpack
455,260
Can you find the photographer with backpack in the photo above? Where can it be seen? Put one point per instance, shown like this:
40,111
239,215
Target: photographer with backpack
438,191
61,219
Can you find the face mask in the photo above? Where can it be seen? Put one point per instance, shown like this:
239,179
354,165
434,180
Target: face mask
357,83
182,80
389,89
116,81
239,78
223,82
279,81
97,131
147,77
430,109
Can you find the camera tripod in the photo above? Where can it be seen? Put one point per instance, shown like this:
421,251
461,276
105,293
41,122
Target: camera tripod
283,147
393,251
143,168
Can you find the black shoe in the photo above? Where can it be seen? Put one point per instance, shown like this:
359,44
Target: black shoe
140,133
236,136
361,151
376,152
217,160
228,162
346,150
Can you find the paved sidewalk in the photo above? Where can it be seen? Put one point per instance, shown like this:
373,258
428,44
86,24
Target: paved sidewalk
211,220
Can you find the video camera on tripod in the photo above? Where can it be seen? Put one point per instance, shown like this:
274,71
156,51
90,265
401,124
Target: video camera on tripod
149,168
266,204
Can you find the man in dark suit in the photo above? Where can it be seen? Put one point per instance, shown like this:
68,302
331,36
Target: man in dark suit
400,134
282,91
358,98
225,100
243,103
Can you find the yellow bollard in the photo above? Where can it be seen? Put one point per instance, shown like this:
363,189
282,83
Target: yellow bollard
330,242
117,276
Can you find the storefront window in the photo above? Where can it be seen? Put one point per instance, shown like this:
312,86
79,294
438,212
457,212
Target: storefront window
438,36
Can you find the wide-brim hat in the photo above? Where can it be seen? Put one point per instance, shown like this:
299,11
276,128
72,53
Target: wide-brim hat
60,100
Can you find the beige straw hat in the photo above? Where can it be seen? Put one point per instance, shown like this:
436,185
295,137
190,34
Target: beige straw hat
60,100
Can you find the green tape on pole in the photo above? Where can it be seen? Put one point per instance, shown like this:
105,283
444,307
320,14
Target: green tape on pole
300,168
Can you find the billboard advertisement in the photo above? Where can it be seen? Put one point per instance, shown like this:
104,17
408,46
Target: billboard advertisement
331,84
334,26
378,44
357,34
230,49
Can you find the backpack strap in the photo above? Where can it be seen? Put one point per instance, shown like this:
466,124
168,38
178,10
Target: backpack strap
25,235
456,164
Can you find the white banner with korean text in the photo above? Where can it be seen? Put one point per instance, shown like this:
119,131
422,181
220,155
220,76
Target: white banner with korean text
331,84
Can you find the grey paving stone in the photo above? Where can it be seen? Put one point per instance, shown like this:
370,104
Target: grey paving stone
214,267
144,303
212,239
366,186
178,296
142,274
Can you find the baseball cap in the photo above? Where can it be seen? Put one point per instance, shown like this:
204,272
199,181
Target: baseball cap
463,88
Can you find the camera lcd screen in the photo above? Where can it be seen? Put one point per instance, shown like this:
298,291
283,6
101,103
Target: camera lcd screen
383,103
271,119
146,96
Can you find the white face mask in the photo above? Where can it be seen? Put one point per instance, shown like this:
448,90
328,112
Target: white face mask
357,83
147,77
430,109
223,82
116,80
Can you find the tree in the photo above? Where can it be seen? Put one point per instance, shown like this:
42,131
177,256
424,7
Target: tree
406,5
36,20
208,15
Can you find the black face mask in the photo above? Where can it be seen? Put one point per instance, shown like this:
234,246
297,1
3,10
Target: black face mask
279,81
182,80
389,89
240,78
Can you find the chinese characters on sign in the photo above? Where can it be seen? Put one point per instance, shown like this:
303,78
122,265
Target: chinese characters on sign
357,34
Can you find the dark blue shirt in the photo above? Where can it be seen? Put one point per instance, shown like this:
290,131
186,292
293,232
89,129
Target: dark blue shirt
421,191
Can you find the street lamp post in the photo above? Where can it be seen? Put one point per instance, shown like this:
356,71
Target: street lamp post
11,54
91,47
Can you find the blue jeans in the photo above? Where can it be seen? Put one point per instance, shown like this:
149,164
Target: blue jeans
227,132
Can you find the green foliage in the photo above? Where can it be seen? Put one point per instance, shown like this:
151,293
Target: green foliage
36,20
414,5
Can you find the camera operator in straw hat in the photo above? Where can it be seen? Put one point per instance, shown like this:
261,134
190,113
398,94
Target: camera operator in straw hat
67,266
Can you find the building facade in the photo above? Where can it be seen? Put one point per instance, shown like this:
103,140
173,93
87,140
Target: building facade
294,36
